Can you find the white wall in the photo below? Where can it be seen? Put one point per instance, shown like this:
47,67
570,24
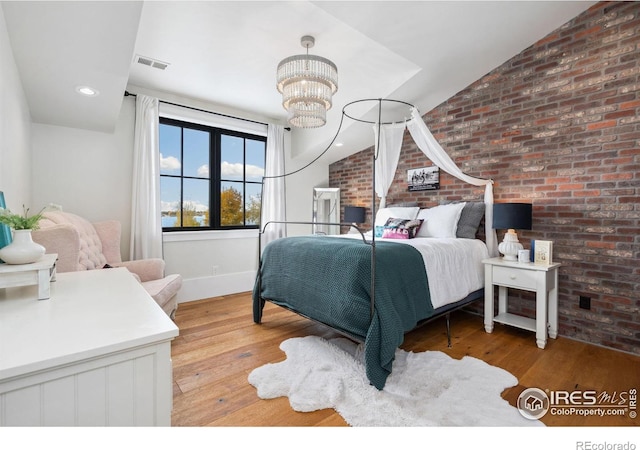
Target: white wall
300,194
15,122
89,173
86,172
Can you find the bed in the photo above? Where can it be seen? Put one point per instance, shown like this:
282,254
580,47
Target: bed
426,263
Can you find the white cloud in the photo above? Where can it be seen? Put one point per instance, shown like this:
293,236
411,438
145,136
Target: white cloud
203,171
235,170
231,170
169,163
169,206
195,204
254,172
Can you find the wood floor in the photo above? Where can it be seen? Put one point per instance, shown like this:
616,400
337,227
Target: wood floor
219,345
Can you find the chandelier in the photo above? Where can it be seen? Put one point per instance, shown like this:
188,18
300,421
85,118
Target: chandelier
307,83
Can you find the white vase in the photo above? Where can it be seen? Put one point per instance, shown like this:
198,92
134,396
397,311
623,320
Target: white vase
22,249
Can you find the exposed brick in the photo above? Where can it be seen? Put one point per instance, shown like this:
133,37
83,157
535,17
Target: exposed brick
599,125
557,125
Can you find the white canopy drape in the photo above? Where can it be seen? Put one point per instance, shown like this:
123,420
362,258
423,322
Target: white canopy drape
273,203
390,150
146,225
388,157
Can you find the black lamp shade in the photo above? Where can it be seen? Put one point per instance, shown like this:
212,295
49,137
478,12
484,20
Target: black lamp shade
512,215
354,214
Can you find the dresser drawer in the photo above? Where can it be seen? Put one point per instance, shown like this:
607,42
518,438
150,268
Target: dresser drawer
517,278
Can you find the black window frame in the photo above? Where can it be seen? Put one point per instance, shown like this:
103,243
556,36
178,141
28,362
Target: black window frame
215,175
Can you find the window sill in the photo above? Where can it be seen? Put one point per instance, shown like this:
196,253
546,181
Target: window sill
209,235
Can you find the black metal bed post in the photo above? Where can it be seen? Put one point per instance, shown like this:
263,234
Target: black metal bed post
372,242
257,309
373,213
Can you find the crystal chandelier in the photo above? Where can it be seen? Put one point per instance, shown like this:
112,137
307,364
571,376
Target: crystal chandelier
307,83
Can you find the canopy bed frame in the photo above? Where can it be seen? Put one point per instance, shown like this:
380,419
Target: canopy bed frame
396,294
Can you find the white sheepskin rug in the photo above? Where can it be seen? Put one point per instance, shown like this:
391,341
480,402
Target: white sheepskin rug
424,389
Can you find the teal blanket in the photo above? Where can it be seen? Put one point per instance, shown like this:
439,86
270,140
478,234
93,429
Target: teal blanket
329,280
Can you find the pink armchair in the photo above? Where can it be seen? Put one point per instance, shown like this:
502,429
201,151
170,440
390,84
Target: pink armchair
82,245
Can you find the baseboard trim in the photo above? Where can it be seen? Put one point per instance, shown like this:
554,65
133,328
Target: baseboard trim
214,286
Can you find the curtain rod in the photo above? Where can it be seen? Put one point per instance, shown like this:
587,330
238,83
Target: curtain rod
129,94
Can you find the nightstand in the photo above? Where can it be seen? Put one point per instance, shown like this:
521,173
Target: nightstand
541,279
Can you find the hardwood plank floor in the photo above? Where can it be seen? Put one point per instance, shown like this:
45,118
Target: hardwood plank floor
219,345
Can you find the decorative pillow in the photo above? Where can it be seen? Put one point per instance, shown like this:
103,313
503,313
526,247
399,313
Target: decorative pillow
400,212
470,219
440,221
401,228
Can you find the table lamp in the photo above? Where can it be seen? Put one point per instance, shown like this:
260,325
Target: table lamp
354,214
511,216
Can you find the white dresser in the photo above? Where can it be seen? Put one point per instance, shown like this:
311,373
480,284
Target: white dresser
96,353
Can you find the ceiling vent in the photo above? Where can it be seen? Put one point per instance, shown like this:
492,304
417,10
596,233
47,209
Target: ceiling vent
145,60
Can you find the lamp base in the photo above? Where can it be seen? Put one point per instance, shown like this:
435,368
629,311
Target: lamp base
510,245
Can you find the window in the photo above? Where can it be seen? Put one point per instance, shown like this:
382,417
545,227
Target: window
210,178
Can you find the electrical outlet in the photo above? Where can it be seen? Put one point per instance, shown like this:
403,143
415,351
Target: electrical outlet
585,302
214,271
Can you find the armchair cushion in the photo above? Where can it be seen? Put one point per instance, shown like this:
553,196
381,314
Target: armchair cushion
146,269
163,292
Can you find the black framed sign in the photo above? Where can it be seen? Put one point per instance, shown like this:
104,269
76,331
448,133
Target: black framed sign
423,179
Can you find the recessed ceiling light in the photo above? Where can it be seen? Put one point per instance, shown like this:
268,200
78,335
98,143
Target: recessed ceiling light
86,90
339,144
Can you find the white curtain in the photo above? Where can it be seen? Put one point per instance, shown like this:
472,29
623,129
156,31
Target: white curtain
146,226
387,158
273,190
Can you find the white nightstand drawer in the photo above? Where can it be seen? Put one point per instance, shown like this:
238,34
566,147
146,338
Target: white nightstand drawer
506,276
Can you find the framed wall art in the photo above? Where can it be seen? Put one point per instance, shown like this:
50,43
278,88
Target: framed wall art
423,179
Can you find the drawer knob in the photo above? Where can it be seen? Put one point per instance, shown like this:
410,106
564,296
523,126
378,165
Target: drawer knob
513,277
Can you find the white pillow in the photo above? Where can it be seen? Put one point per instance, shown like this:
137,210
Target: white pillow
440,221
397,212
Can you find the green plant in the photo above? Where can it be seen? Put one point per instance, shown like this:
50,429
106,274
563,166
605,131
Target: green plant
20,222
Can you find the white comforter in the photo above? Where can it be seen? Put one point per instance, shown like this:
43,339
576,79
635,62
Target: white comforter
454,266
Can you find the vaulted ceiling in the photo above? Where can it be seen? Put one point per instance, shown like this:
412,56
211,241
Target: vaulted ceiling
225,53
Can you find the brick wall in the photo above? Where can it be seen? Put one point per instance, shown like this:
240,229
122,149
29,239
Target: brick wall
558,125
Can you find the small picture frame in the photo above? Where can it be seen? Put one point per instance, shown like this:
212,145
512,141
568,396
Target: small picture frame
542,252
423,179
